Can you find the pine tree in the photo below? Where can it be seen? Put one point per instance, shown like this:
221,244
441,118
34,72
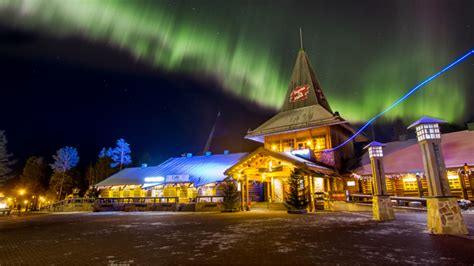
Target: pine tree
230,192
121,154
296,196
5,159
34,175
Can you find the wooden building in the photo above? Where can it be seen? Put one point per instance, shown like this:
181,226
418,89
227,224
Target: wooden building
183,178
297,137
404,170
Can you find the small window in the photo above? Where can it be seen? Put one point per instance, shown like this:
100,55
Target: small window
454,182
319,142
410,184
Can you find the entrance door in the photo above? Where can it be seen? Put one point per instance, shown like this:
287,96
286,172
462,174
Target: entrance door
278,189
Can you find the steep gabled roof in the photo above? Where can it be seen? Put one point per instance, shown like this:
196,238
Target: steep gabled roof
305,105
304,89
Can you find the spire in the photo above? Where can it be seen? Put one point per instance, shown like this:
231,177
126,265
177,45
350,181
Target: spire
301,39
304,89
211,134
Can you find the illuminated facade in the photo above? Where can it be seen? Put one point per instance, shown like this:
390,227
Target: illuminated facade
404,167
297,137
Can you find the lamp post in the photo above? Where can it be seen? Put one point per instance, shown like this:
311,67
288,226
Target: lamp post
444,214
381,204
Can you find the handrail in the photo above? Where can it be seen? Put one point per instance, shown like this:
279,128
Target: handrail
128,200
211,198
400,200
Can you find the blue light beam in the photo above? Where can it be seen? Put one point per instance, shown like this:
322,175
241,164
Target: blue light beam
404,97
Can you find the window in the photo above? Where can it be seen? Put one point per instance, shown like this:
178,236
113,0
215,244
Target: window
288,144
410,184
319,142
275,145
454,182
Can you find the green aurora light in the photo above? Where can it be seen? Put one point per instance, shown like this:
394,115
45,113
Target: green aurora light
246,48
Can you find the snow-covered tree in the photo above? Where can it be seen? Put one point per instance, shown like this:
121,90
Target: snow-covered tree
5,159
65,159
121,154
105,152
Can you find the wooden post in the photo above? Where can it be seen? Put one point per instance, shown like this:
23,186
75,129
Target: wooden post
247,193
463,186
311,194
242,204
272,185
420,186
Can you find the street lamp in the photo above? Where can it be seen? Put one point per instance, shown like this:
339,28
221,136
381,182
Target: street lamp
381,204
21,192
444,214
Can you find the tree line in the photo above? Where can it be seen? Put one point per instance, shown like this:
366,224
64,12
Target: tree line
58,179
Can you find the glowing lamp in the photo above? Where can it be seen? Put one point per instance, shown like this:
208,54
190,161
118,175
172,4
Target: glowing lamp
22,192
375,149
427,128
274,147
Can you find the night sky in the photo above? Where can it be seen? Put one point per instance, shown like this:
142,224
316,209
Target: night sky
84,73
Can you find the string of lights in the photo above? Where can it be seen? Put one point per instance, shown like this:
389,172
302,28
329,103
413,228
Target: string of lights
404,97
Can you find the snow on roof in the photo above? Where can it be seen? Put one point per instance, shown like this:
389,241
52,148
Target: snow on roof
304,117
405,156
200,169
426,120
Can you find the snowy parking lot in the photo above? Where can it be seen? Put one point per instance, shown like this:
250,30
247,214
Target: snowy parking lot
257,237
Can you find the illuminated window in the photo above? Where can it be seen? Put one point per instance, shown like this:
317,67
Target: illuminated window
288,144
275,145
351,183
319,142
375,151
427,131
410,184
301,143
454,182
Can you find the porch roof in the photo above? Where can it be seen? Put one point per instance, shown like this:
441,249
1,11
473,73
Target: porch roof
284,156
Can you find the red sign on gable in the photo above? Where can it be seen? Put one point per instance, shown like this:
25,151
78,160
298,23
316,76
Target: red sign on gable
299,93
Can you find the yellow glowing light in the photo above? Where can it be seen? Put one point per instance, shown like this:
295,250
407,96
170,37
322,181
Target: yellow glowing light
9,199
22,192
25,201
274,147
308,142
409,179
452,176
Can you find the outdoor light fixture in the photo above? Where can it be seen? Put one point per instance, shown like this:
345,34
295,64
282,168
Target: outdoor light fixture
22,192
375,149
427,128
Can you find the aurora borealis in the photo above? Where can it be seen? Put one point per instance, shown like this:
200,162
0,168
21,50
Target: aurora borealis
364,61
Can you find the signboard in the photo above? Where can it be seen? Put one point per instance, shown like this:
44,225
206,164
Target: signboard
177,178
299,93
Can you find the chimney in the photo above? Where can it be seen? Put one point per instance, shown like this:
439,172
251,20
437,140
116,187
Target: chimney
226,152
208,153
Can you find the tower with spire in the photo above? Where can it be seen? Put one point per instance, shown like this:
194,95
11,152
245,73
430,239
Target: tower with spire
306,120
